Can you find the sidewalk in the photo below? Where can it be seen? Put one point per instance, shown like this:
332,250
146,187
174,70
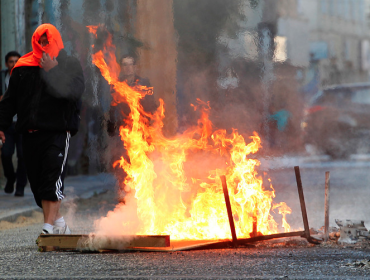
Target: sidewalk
82,186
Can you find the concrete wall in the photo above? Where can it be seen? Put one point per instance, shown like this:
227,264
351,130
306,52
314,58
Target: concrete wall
8,28
20,23
13,27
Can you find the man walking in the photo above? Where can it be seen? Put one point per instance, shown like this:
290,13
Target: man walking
44,91
14,140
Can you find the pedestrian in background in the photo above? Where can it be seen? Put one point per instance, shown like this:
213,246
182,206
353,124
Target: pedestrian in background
119,113
14,139
45,91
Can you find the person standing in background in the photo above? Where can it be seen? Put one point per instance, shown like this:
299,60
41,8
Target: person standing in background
14,139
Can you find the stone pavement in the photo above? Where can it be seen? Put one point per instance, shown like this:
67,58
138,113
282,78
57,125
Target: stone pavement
82,186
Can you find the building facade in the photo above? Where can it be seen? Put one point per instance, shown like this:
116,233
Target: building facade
339,39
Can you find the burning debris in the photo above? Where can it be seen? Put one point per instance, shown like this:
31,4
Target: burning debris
174,184
162,243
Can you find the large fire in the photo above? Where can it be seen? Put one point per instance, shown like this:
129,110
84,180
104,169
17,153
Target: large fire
175,182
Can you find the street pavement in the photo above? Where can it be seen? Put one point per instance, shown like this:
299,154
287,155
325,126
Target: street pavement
349,187
81,186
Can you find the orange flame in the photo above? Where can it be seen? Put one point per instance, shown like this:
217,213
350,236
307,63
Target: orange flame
283,210
175,181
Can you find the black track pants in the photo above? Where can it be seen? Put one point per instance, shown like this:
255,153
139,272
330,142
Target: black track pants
46,155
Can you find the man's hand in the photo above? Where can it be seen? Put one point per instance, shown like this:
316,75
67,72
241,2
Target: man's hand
47,63
2,137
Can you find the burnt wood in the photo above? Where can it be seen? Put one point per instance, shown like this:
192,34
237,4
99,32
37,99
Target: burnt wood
327,200
229,211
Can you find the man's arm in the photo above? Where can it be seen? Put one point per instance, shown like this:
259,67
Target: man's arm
68,81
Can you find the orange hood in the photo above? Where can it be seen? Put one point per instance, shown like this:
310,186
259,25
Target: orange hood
53,48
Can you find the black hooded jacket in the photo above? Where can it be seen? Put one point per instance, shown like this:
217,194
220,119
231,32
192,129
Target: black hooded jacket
47,101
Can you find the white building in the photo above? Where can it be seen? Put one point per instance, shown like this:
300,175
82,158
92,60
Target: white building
339,38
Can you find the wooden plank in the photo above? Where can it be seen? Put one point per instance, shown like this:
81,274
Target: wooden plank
185,245
123,242
327,188
302,202
303,208
48,241
228,208
271,236
255,230
96,243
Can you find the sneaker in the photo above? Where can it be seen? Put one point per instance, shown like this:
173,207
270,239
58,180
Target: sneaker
44,231
61,230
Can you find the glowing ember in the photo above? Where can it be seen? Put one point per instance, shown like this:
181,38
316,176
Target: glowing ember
175,181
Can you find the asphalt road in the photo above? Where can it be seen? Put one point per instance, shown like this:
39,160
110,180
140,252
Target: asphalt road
349,193
19,258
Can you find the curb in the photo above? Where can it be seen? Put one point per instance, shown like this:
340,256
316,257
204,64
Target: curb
13,215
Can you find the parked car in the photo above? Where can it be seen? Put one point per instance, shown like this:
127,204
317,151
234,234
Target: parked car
338,120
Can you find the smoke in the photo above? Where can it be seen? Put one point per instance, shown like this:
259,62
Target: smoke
214,51
122,220
69,207
233,54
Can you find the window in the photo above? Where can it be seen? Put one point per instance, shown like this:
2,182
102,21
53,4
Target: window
361,11
361,96
346,50
353,5
299,7
324,6
332,8
346,9
340,12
